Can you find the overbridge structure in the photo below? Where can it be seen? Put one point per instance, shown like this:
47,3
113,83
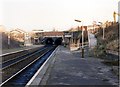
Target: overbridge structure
71,38
53,37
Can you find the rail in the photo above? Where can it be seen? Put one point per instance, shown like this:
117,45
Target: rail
16,68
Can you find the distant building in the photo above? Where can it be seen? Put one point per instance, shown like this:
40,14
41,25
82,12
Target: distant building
17,34
79,28
21,36
76,37
93,28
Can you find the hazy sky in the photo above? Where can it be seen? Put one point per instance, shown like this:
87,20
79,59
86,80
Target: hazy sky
58,14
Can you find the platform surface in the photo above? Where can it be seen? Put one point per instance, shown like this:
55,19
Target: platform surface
70,69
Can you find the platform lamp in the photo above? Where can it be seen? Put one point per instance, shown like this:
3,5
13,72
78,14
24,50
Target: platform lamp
82,39
8,40
9,37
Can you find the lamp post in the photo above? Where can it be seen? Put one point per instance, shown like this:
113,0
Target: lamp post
82,39
8,40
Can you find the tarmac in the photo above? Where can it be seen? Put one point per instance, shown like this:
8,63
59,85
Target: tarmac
69,68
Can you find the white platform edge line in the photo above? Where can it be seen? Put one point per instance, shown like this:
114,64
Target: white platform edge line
40,68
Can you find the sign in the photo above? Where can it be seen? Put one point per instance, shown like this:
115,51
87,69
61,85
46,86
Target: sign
68,35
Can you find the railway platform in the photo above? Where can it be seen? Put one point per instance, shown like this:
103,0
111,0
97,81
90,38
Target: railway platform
68,68
7,51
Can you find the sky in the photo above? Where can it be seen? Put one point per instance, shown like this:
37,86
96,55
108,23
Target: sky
54,14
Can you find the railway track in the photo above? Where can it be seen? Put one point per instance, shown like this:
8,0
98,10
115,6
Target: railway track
13,55
18,71
20,56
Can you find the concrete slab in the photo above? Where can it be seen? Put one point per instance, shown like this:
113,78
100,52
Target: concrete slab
70,69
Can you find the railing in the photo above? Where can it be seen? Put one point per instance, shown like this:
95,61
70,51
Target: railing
78,45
